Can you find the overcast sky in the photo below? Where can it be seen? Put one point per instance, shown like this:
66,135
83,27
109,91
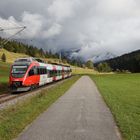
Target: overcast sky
93,26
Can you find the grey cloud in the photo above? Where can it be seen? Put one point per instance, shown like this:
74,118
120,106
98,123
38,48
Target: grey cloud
92,26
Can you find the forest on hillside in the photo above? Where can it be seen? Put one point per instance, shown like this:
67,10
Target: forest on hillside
19,47
127,62
33,51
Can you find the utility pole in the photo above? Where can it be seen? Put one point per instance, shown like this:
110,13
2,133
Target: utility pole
60,59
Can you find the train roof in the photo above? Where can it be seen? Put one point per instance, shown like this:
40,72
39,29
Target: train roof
60,64
29,60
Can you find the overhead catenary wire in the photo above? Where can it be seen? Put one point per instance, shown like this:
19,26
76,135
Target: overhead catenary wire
16,26
5,41
12,28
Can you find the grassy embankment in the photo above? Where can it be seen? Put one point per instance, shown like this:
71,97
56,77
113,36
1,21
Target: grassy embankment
4,74
11,56
122,94
14,119
5,67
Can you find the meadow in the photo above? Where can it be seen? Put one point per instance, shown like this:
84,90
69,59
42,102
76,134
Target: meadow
121,92
78,70
4,76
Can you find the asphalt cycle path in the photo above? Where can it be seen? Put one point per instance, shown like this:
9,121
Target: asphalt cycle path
80,114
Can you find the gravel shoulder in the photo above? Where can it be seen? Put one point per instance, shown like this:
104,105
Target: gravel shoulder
80,114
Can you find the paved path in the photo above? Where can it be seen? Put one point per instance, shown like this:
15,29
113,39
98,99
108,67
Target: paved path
80,114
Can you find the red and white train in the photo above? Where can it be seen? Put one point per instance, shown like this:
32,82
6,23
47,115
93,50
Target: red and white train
29,73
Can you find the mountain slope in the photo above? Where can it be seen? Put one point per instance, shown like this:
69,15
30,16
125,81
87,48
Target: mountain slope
11,56
130,61
102,57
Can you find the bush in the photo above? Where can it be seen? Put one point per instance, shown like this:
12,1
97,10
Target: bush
104,67
3,57
89,64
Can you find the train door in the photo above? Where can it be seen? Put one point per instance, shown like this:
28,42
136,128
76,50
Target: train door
32,78
43,76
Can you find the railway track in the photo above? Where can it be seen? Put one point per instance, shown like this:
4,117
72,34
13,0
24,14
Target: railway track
6,97
10,96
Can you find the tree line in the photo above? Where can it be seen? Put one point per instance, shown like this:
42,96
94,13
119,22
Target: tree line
19,47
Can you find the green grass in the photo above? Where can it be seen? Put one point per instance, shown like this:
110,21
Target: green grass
14,119
11,56
78,70
4,76
122,94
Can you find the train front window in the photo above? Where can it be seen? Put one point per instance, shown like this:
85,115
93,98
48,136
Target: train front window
19,71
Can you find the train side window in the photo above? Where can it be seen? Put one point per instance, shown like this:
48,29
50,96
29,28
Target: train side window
45,70
41,71
48,73
35,70
38,71
51,73
31,72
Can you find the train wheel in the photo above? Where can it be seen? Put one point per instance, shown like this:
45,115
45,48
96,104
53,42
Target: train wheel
36,86
32,87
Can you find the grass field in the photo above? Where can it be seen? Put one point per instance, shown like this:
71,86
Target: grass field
78,70
11,56
122,94
4,76
14,119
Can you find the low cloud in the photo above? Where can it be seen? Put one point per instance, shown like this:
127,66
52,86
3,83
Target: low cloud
94,27
55,29
33,22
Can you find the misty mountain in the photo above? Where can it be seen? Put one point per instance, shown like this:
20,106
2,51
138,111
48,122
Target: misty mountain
103,56
73,54
69,54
